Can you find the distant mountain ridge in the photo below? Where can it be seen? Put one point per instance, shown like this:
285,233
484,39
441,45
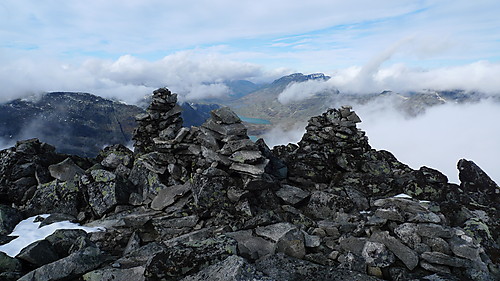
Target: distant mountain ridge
80,123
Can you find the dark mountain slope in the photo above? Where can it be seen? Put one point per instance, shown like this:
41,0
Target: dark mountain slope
77,123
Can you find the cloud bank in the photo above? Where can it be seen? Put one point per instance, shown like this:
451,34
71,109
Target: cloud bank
193,75
480,76
436,139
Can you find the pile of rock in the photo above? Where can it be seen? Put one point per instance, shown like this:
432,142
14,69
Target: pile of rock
207,203
161,120
331,145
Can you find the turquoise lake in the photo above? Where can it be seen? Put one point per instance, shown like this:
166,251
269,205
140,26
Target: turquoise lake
255,120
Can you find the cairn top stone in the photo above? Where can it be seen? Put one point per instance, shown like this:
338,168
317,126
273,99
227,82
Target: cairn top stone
225,115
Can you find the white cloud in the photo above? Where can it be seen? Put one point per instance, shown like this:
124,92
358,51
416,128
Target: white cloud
192,74
477,76
279,135
481,76
438,138
295,92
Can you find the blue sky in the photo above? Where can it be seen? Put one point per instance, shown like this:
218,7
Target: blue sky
133,46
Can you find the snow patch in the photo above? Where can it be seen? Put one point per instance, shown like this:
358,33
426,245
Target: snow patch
402,195
30,231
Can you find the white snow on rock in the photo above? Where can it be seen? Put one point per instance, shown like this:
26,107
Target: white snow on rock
29,232
402,195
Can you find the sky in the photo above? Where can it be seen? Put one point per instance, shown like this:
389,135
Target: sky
125,49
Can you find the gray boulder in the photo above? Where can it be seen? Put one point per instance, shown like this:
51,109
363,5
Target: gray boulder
38,253
233,268
9,218
66,170
70,267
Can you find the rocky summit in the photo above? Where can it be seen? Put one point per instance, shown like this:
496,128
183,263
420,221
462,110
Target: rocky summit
207,203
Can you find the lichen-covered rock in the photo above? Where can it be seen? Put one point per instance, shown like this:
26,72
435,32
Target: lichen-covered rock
66,170
70,267
291,194
107,190
64,197
9,264
9,218
63,239
233,268
282,267
110,274
38,253
189,257
377,255
404,253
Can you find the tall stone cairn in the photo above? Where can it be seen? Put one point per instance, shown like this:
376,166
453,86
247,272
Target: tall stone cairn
161,120
331,144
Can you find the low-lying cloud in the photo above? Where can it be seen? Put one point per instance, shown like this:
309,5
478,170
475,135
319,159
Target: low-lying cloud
480,76
191,74
436,139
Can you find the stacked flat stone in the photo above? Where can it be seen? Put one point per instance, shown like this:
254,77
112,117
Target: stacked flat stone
331,143
162,120
224,140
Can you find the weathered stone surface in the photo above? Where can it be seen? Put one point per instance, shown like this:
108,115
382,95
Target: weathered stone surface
252,247
246,156
9,218
291,194
233,268
282,267
377,255
109,274
437,245
107,191
444,259
69,267
38,253
233,146
353,244
323,205
66,170
292,244
464,249
64,197
434,230
405,254
189,257
63,239
275,231
56,217
225,116
311,241
391,213
407,232
169,195
253,170
435,267
9,264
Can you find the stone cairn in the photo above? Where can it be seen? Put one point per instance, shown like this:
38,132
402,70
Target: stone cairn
217,152
161,120
331,144
206,203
